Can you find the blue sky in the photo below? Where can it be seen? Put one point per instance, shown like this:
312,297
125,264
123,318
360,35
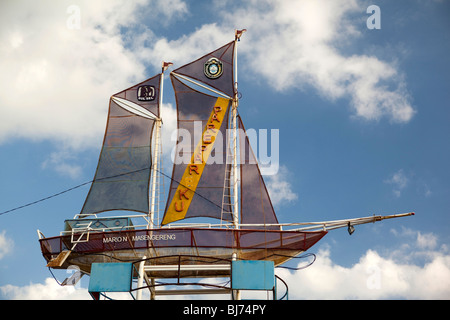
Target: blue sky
363,118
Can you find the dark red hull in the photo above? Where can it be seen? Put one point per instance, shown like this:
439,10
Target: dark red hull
165,245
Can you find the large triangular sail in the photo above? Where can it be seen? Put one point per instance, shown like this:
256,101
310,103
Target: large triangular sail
122,177
199,171
256,206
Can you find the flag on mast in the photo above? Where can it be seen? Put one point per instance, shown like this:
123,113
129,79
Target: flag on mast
238,34
166,65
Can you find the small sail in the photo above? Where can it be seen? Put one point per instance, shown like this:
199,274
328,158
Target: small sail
122,177
214,69
199,171
145,94
256,206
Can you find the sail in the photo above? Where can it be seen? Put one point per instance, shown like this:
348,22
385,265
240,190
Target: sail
145,94
214,69
122,177
197,187
256,206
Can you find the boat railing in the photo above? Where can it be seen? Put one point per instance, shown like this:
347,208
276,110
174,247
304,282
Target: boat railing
94,216
87,226
336,224
303,226
198,225
40,234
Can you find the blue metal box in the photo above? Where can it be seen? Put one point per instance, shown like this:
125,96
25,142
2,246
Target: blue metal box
252,275
111,277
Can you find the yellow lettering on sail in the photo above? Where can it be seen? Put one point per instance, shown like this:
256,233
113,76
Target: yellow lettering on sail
186,189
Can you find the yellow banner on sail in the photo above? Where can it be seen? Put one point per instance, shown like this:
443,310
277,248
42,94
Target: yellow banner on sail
186,188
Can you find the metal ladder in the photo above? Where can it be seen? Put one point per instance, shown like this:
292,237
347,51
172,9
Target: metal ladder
228,197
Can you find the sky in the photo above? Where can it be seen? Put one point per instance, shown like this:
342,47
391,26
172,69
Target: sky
360,99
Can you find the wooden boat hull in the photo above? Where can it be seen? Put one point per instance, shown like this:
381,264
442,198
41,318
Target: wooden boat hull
176,246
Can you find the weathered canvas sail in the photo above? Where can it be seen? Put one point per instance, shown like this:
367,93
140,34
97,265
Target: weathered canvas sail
122,178
256,206
199,171
214,69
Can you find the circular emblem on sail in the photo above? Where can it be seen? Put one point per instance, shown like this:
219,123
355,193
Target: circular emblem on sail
213,68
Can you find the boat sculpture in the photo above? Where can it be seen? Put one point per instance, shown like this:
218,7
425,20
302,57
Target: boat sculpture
215,175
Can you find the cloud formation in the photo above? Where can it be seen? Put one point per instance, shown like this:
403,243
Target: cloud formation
60,162
395,274
300,44
62,61
279,187
49,290
296,44
57,65
6,244
399,181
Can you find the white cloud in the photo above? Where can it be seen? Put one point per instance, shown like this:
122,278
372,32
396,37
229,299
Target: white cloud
180,51
374,276
49,290
426,241
399,180
424,189
6,244
296,43
59,161
56,79
279,187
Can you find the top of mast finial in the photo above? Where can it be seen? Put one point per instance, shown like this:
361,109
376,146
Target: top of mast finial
238,34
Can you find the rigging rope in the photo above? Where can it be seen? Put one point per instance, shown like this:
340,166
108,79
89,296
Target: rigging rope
67,190
88,182
299,257
43,199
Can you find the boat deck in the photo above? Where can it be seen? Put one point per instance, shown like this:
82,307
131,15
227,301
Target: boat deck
165,246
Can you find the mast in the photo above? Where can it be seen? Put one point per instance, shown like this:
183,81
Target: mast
238,34
235,103
155,167
154,172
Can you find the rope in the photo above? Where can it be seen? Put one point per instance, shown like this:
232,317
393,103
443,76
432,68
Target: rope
67,190
91,181
300,257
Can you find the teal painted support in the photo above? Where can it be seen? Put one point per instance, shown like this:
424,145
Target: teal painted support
110,277
252,275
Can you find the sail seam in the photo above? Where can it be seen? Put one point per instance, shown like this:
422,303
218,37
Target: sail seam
177,75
